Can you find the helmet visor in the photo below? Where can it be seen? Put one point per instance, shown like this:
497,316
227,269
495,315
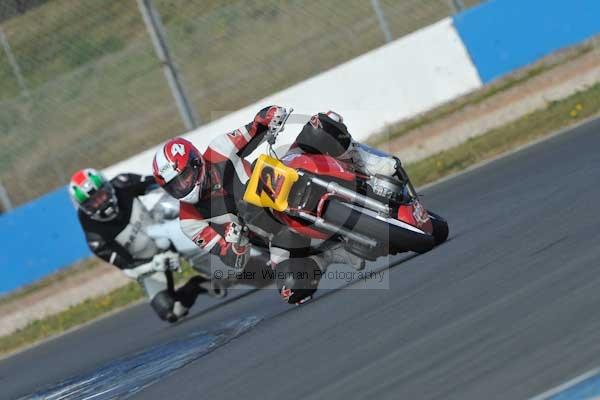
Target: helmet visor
99,200
184,183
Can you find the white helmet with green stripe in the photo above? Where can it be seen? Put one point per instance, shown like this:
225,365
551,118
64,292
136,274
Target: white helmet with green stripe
93,194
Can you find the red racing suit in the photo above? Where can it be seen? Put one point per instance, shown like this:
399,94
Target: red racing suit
210,222
221,211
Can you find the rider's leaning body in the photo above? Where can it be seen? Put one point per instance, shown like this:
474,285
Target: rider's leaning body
210,186
114,222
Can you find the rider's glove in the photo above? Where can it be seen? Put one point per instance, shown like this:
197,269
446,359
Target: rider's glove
167,261
162,262
173,261
271,117
276,115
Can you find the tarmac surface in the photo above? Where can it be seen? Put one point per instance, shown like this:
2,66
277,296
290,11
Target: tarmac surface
506,309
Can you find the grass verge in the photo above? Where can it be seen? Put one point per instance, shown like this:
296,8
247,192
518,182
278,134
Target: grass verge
79,314
557,115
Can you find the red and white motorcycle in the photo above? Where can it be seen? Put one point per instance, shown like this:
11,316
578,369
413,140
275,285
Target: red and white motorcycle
323,198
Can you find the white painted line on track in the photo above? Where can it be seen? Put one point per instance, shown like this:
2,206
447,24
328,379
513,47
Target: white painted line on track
567,385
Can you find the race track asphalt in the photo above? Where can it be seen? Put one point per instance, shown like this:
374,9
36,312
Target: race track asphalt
506,309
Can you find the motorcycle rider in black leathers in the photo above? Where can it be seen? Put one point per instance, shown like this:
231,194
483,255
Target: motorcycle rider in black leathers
114,222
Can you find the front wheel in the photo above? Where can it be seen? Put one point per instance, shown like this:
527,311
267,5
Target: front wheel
440,228
390,233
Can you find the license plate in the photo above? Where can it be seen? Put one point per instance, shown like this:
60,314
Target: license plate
270,184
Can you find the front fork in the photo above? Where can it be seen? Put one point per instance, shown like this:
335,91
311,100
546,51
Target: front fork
403,176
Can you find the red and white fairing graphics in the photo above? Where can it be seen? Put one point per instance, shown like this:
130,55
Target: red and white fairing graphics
416,215
323,165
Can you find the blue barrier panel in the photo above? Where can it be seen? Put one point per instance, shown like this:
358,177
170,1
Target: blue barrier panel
39,238
504,35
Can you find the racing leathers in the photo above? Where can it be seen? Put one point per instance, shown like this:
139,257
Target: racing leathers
215,223
123,242
221,223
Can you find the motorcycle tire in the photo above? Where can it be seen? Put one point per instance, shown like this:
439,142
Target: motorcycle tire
395,235
440,228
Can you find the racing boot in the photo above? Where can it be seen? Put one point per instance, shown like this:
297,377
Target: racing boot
370,161
331,134
179,310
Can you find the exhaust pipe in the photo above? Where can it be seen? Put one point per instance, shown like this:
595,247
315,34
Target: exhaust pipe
336,188
322,224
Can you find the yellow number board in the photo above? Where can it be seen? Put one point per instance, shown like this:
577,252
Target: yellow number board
270,184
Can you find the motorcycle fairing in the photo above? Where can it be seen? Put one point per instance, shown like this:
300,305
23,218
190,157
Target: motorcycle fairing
319,164
416,215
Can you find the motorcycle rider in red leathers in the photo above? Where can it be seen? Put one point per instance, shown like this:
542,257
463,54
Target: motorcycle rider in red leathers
210,187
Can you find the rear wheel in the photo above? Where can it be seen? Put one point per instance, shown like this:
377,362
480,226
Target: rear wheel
392,235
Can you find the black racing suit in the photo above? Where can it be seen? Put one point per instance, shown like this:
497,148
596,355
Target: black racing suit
124,243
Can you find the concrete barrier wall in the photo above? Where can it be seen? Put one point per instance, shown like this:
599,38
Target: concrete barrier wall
504,35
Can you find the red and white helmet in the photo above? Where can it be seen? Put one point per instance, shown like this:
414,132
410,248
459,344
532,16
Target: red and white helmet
180,169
